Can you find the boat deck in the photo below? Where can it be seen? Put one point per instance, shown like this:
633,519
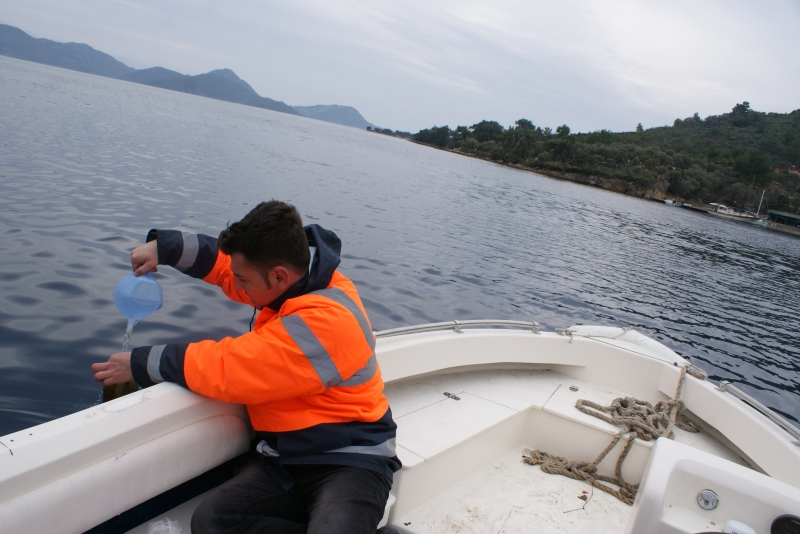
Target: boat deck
466,402
512,497
504,494
490,416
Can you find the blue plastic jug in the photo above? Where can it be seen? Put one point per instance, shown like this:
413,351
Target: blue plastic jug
138,297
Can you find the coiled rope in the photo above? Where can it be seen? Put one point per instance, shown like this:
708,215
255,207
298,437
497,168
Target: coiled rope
639,418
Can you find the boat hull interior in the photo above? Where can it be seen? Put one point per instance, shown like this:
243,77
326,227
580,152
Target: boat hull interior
467,402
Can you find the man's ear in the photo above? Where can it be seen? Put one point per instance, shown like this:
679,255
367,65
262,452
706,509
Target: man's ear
281,275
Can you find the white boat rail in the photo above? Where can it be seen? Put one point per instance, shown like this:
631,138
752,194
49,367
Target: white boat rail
775,418
456,326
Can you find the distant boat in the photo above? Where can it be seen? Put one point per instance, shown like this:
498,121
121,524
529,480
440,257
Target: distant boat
667,202
737,215
693,208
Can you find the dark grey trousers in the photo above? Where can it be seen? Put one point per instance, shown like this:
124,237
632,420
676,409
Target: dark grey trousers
330,499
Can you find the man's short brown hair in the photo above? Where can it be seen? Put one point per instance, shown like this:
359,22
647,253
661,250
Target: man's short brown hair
270,235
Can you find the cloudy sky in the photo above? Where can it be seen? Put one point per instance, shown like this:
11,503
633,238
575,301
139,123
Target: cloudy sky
417,63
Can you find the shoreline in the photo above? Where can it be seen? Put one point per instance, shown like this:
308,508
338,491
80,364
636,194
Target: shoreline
615,185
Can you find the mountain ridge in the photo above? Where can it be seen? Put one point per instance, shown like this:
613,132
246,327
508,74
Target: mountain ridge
216,84
346,115
73,56
220,84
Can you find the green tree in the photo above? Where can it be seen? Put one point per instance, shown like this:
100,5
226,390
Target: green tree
741,109
753,164
440,136
562,149
562,131
461,133
487,131
639,128
602,136
520,141
741,114
525,125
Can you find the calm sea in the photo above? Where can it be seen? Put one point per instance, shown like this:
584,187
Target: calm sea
88,165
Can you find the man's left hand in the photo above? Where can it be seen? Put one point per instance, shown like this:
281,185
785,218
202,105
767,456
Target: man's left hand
117,370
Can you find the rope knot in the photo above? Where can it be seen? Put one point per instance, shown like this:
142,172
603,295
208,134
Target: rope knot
639,419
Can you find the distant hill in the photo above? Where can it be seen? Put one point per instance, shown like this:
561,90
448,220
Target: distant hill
729,158
221,84
74,56
346,115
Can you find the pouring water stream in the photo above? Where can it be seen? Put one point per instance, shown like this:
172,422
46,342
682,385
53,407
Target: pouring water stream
136,298
126,341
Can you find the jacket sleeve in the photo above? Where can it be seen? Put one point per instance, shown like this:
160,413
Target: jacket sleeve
222,277
159,363
197,255
299,354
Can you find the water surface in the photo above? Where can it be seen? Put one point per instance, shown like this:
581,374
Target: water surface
88,165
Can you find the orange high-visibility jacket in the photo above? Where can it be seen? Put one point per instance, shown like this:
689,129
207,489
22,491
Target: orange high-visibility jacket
307,372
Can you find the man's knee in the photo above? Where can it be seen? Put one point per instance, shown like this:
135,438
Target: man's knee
203,517
223,506
349,500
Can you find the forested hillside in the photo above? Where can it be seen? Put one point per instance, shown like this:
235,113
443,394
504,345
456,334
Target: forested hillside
723,158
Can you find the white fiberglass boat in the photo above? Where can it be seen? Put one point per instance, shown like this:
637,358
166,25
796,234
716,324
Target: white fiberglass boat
737,215
470,399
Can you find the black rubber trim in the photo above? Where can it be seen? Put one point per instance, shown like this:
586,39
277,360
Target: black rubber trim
785,524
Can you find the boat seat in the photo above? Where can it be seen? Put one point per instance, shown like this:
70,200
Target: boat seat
562,403
471,414
491,411
430,422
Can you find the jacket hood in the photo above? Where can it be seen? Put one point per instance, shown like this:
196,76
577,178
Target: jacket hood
325,261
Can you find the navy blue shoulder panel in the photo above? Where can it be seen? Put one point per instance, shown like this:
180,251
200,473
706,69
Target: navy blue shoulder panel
330,436
356,443
190,253
326,259
139,366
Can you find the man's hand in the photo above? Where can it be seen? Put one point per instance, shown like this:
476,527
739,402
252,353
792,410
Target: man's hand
145,258
117,370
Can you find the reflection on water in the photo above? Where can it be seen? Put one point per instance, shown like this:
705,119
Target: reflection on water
88,165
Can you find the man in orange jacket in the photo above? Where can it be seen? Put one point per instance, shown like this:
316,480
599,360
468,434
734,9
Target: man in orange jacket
307,373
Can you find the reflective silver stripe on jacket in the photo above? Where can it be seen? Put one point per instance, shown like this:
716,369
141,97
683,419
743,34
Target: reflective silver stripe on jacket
363,375
313,349
387,448
190,248
340,297
317,354
154,363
